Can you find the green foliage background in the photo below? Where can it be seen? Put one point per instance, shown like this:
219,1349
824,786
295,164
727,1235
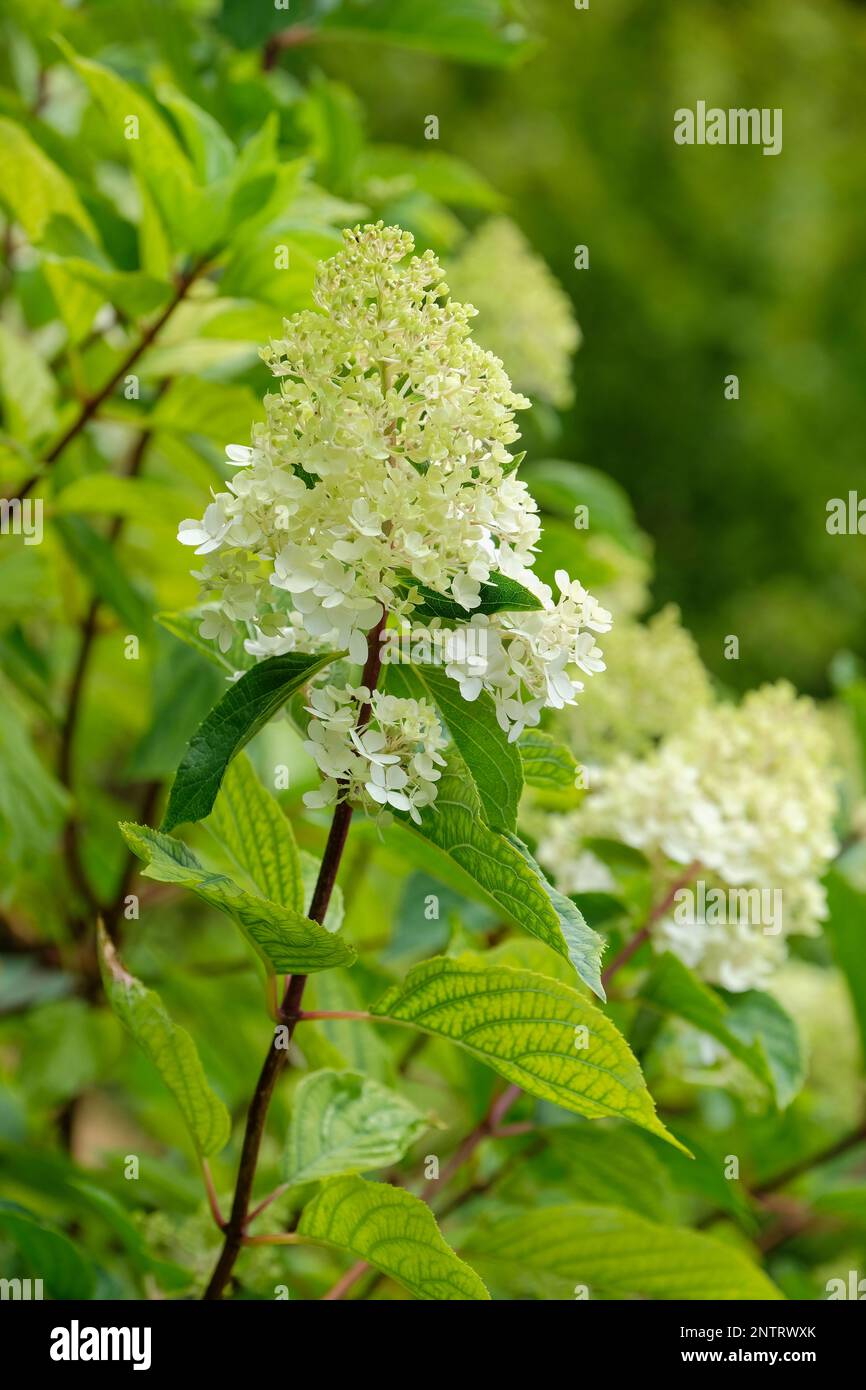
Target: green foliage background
701,263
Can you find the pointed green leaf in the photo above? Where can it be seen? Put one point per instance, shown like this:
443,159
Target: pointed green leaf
614,1252
536,1032
250,826
286,941
97,560
170,1049
490,760
501,594
471,31
342,1122
547,763
210,149
393,1231
244,709
502,867
33,187
560,486
583,945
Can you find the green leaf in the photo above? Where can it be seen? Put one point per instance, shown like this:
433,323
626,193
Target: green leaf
137,499
47,1255
194,221
752,1026
244,709
615,1253
470,31
218,410
250,826
32,803
547,763
211,150
844,928
761,1022
612,1167
285,940
393,1231
342,1122
97,561
559,487
33,187
133,292
169,1047
502,867
536,1032
441,176
500,595
28,391
491,761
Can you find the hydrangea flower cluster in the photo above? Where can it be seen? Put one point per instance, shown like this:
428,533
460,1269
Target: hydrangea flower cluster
524,659
384,464
525,316
394,761
745,792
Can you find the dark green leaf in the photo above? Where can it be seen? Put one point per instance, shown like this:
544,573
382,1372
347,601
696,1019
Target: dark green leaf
244,709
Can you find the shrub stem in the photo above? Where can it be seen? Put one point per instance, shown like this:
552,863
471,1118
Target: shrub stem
235,1228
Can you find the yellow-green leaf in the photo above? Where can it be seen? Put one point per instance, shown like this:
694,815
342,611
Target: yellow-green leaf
393,1231
536,1032
552,1250
286,941
343,1122
170,1049
248,823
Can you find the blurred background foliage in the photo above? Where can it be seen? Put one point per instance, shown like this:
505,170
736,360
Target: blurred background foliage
140,276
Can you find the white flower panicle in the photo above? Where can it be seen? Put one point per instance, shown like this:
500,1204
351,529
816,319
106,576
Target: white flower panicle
655,681
384,464
524,314
746,792
394,761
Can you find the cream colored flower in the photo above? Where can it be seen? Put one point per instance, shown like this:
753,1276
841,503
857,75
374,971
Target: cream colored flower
747,793
384,462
